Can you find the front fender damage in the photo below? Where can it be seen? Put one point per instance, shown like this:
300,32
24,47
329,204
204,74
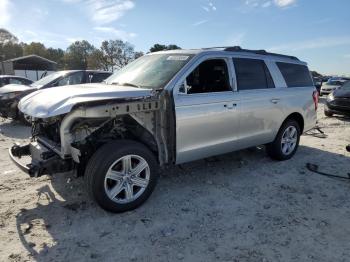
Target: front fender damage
113,117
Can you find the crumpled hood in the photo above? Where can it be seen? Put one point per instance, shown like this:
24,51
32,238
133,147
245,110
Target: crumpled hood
14,88
60,100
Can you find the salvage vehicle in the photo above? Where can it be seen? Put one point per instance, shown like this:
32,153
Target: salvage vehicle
167,108
10,79
11,94
332,84
338,102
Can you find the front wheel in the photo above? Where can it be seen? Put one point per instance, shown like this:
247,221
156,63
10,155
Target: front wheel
121,175
286,142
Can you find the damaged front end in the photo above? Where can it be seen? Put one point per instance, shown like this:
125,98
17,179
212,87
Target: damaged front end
36,160
66,142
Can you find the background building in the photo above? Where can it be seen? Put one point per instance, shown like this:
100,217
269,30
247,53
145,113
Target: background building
31,66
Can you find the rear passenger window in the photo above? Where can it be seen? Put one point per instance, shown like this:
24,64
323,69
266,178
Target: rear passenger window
295,75
252,74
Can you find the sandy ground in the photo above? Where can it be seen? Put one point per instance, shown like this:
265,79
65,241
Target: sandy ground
237,207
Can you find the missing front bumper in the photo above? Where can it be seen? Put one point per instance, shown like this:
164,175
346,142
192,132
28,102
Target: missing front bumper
36,160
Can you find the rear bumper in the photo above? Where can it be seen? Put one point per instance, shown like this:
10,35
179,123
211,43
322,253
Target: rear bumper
36,160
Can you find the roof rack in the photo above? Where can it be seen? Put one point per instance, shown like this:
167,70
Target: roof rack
258,52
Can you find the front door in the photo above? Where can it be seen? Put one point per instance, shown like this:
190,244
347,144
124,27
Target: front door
207,112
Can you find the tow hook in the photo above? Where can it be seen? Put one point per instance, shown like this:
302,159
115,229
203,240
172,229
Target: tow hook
19,151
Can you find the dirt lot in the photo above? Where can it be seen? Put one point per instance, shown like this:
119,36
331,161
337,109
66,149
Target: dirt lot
237,207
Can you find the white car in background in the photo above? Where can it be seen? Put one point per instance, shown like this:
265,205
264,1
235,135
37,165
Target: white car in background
332,84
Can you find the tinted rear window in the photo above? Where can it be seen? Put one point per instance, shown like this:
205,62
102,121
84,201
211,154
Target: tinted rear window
252,74
295,75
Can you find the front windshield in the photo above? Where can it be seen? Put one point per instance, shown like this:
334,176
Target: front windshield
150,71
47,79
346,86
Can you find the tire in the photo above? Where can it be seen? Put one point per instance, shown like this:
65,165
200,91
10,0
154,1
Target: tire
112,178
327,113
276,149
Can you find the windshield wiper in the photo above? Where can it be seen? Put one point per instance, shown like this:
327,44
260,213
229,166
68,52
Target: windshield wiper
126,84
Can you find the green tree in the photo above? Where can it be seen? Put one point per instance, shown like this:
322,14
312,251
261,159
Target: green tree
10,50
56,55
138,54
6,36
96,60
34,48
77,55
117,53
9,47
315,74
160,47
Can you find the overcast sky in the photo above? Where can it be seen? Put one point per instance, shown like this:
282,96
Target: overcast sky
317,31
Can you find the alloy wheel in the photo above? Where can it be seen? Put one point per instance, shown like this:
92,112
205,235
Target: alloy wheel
289,140
127,178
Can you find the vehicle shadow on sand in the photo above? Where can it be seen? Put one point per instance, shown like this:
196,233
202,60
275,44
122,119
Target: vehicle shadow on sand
14,129
186,197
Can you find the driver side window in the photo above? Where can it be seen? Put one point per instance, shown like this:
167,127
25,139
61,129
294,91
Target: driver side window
209,76
72,79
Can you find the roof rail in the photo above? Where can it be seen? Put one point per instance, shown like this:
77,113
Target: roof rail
259,52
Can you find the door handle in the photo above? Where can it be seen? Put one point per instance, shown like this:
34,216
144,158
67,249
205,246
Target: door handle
275,100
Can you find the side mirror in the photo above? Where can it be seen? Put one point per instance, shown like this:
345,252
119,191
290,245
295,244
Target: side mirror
90,78
182,88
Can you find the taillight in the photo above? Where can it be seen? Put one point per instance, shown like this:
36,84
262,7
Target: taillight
315,98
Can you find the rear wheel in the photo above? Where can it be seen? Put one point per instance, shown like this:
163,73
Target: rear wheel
286,142
121,175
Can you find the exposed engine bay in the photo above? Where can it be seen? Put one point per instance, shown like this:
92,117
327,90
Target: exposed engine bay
74,137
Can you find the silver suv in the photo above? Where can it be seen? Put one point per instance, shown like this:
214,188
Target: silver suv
167,108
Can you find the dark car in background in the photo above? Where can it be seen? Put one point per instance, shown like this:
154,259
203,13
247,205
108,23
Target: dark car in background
10,79
338,102
11,94
332,84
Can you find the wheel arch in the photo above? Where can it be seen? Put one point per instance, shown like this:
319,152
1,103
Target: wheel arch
298,118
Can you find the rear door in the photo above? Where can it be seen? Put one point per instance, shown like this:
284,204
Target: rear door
207,111
261,110
299,94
